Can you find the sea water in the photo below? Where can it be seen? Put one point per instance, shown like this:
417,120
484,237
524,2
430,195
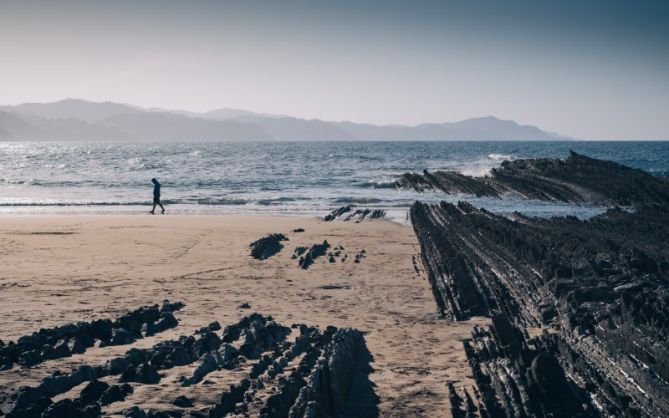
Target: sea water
274,178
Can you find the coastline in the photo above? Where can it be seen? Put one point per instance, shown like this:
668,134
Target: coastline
63,269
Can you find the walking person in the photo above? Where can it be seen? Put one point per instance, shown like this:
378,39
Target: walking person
156,197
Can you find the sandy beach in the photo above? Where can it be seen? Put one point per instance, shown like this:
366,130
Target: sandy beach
62,269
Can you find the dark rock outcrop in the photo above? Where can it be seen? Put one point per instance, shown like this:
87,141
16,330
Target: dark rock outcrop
346,213
93,391
520,376
315,251
577,179
63,341
115,393
143,373
267,246
338,384
183,402
332,364
142,366
328,380
323,369
68,408
337,213
601,285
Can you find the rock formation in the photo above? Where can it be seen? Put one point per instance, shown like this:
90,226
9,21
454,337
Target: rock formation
63,341
347,213
316,250
600,286
577,179
267,246
318,373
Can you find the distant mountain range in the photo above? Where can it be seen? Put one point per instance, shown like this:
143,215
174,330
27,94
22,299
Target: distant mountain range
81,120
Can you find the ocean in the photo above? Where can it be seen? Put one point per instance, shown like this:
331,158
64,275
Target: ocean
273,178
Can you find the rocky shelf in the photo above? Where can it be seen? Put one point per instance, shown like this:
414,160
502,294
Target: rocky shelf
66,340
577,179
599,288
350,213
316,373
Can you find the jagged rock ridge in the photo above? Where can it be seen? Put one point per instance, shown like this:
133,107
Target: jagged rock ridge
347,213
602,285
577,179
318,373
66,340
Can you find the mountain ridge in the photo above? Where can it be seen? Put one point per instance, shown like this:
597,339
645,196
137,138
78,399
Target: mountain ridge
82,120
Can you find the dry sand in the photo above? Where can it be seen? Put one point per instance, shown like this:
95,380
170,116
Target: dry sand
56,270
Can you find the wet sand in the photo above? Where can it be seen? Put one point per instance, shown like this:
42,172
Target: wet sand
57,270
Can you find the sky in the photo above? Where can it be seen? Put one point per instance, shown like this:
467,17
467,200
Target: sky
588,69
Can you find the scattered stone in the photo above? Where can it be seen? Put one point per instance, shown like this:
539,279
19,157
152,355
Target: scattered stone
298,230
298,252
335,287
244,306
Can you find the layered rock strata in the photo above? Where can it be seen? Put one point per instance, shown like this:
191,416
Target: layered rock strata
576,179
349,213
316,373
600,286
66,340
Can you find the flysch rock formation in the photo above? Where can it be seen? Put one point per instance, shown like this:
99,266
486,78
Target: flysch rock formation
598,288
349,213
295,372
53,343
576,179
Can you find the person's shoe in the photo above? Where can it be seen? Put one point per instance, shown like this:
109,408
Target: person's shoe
152,213
163,212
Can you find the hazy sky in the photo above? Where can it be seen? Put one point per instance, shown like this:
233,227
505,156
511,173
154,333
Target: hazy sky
589,69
